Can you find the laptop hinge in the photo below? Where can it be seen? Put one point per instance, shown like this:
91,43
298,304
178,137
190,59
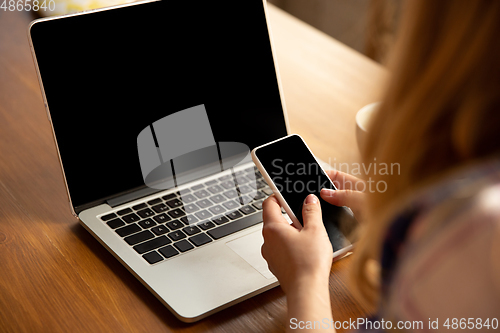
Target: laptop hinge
120,200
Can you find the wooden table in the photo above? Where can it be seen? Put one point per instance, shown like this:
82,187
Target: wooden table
55,277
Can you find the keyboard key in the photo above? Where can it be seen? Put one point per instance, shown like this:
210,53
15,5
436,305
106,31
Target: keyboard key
203,214
220,220
202,194
218,198
145,213
267,191
169,196
108,217
115,223
254,168
251,170
184,191
176,235
239,173
224,178
189,219
231,194
234,215
245,189
258,204
229,184
160,230
242,180
160,208
261,184
148,223
247,210
204,203
175,224
259,178
153,257
191,230
216,210
139,206
188,198
215,189
250,175
197,187
152,244
139,237
206,225
190,208
211,183
231,205
244,199
154,201
176,213
235,226
162,218
128,230
131,218
183,246
124,211
200,239
174,203
259,195
168,251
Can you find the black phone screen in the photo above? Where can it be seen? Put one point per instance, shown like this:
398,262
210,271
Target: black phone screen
296,174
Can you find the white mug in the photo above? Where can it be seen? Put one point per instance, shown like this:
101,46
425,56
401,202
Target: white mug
363,118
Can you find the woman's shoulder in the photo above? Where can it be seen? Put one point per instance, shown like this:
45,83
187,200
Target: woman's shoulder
450,267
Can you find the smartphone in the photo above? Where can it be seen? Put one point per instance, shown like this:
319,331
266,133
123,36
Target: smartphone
291,170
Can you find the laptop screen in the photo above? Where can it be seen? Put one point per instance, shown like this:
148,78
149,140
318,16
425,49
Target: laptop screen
108,75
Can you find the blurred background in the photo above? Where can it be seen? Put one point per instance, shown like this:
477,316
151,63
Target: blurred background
367,26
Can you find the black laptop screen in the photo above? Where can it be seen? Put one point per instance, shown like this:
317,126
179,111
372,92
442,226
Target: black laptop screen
108,75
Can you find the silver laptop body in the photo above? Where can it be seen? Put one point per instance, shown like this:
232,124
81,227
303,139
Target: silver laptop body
195,263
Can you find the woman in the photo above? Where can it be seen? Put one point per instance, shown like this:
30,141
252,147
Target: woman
434,235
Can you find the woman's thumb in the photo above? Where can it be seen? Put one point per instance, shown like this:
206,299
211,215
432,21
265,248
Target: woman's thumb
311,211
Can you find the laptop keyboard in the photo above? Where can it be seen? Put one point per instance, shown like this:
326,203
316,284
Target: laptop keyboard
178,222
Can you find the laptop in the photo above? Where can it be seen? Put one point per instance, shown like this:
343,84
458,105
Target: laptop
155,107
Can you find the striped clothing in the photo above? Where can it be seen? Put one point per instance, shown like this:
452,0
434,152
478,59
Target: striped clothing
441,256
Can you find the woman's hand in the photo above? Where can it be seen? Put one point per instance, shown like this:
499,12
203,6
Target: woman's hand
294,255
346,193
300,259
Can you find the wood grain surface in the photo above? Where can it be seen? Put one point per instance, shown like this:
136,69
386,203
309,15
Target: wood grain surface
55,277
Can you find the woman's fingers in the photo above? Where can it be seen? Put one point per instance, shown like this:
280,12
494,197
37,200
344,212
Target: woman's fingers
342,180
348,198
271,211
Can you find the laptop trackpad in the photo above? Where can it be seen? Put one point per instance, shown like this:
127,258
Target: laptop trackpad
248,248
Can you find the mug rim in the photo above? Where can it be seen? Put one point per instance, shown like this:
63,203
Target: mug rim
364,109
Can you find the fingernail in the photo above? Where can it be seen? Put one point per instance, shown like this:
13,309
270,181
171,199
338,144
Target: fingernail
311,199
327,192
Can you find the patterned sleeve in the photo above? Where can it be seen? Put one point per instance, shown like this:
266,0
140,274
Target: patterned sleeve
451,265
